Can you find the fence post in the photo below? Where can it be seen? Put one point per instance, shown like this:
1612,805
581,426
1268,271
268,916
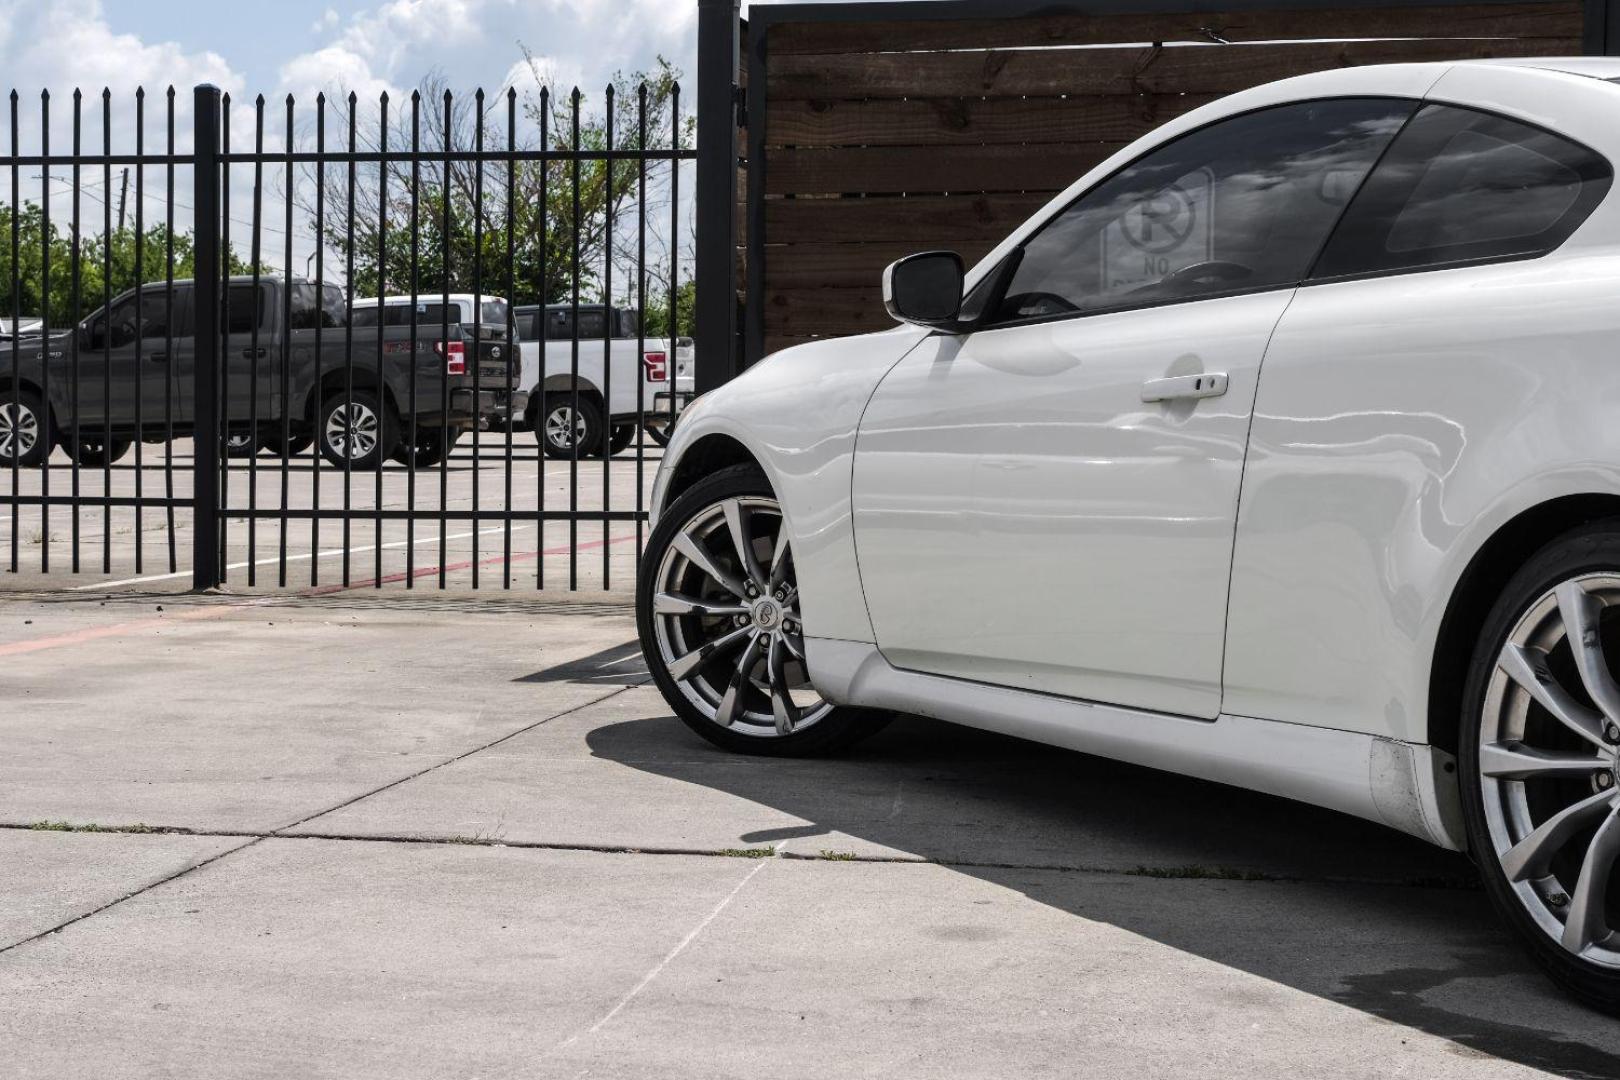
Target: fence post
715,273
206,302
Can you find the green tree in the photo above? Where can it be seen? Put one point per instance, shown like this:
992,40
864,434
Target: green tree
539,209
106,265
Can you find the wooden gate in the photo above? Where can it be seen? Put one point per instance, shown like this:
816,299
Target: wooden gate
878,129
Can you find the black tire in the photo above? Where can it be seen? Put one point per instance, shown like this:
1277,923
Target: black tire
242,445
835,728
551,428
659,432
377,430
432,446
623,436
298,441
90,452
24,412
1592,549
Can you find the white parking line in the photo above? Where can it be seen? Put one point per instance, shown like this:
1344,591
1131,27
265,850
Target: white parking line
274,560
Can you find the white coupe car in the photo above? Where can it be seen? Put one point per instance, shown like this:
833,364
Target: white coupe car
1282,449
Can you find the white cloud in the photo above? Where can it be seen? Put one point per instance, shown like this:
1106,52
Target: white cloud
328,21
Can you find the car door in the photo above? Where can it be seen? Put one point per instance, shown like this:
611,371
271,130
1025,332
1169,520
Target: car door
251,374
1048,503
1404,364
167,356
108,373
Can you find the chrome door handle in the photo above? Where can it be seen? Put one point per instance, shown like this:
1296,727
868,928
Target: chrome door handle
1179,387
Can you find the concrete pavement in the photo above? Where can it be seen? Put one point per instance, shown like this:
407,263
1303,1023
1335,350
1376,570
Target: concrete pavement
453,836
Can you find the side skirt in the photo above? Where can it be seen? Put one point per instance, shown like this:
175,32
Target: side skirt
1406,786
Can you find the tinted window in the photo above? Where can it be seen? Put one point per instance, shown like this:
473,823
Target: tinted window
157,312
244,310
495,313
560,323
122,322
1240,205
528,325
1462,186
314,306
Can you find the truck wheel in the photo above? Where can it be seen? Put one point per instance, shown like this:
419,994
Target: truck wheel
92,453
22,429
561,428
433,445
297,443
242,445
358,432
623,436
658,430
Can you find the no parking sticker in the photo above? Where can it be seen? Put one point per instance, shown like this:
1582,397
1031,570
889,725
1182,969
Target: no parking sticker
1160,234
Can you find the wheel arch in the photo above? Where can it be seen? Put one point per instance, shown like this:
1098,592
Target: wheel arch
709,454
1481,582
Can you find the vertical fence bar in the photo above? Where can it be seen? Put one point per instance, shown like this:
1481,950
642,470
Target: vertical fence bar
77,253
609,330
45,431
350,426
715,332
317,407
478,321
106,335
221,432
542,332
674,247
641,310
447,247
205,386
140,320
511,323
573,414
415,362
256,249
285,396
382,380
16,417
170,386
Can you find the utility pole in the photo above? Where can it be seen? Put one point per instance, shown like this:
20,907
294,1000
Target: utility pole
123,194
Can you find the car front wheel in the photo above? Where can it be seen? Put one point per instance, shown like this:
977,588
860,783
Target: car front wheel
1540,757
718,608
22,429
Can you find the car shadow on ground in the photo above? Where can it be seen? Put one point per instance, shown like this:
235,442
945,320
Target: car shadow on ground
1328,904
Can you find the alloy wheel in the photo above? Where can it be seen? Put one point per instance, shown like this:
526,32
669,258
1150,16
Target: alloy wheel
1549,765
352,430
565,427
726,620
19,430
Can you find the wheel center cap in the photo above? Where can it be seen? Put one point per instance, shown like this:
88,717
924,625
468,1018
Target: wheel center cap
767,614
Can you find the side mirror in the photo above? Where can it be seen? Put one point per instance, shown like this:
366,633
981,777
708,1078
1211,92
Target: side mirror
925,289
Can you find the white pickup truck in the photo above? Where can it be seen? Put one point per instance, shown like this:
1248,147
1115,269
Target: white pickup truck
642,384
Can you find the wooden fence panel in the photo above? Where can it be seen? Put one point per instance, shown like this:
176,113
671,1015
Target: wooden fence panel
884,137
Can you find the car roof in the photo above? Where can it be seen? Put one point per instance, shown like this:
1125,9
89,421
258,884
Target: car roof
1593,67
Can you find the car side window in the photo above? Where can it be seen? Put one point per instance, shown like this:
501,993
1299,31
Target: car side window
116,329
1462,186
1241,205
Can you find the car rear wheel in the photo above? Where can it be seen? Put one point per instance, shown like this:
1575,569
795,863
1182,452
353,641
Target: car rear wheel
22,429
563,426
92,451
242,445
718,609
623,436
1540,757
357,431
297,442
433,445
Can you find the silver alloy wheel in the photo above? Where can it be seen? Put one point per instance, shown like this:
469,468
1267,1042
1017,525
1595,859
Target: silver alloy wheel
1549,765
726,618
557,425
352,430
19,429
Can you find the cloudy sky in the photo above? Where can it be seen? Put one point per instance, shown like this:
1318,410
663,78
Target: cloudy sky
276,47
299,46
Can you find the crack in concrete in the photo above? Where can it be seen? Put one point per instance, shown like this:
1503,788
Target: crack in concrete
1232,875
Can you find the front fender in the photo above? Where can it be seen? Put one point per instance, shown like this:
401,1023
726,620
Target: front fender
797,413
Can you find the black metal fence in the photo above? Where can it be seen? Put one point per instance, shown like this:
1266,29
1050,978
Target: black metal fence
347,302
